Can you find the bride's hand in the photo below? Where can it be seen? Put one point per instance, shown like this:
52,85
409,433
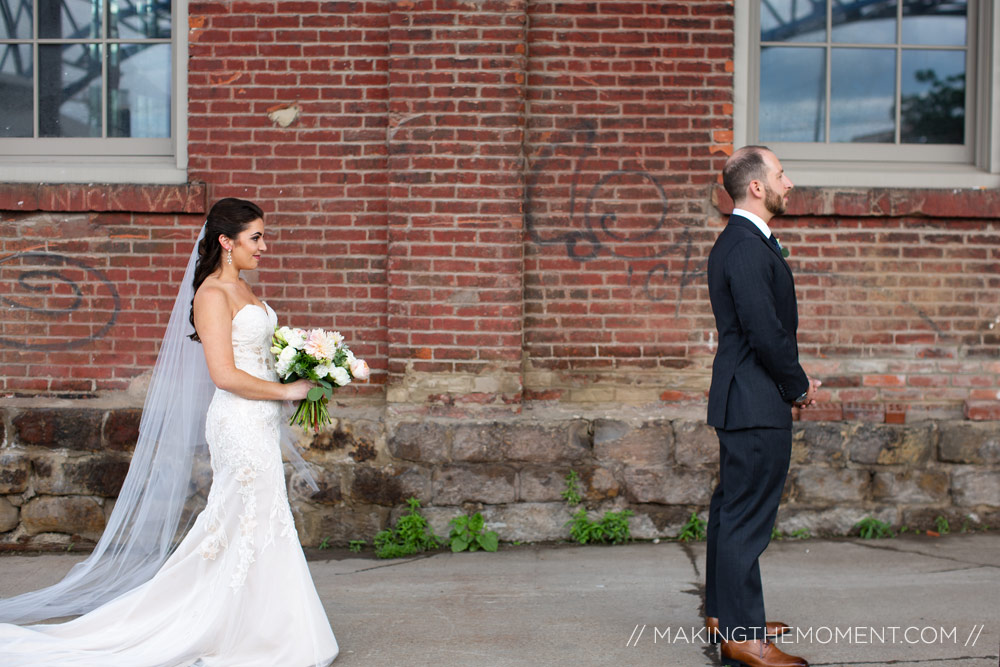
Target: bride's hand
296,391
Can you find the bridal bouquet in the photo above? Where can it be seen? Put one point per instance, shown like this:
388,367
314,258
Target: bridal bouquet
320,356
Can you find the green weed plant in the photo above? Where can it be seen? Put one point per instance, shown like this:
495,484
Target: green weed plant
410,535
467,533
871,528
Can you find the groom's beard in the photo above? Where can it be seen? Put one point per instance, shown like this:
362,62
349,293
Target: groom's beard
773,202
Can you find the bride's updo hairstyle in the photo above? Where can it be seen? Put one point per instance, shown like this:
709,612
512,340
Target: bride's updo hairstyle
228,218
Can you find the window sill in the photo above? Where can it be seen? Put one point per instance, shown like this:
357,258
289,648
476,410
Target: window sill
882,202
115,169
866,174
110,197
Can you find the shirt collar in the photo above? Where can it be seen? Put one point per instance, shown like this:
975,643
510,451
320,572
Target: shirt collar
755,219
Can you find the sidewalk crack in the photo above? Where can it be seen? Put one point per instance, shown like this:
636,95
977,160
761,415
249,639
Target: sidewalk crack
917,552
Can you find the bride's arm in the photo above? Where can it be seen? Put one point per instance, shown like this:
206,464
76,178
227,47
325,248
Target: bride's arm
214,323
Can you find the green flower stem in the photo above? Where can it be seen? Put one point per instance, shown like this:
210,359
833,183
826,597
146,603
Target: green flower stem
311,414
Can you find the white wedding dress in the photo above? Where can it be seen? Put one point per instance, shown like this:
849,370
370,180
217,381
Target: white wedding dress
237,591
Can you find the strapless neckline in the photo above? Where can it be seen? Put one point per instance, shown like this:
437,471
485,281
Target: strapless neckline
264,308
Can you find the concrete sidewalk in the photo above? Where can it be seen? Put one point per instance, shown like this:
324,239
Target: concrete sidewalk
906,601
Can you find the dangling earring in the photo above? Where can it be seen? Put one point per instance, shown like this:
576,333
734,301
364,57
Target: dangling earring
229,256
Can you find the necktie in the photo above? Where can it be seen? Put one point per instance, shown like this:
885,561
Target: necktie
774,242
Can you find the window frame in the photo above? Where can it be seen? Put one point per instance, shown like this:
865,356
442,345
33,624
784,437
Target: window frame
113,159
868,165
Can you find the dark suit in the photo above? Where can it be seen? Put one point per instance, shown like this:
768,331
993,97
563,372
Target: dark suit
755,378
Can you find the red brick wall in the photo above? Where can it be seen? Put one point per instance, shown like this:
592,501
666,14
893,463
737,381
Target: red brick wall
87,279
322,178
456,78
899,300
630,120
497,201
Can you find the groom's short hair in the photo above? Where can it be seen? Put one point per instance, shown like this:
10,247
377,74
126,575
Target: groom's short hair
746,164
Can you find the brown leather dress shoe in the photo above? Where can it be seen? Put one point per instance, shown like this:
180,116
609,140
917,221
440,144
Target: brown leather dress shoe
757,653
771,628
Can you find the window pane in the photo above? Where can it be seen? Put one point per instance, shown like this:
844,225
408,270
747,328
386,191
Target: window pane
16,22
933,105
139,90
138,19
862,92
69,90
15,90
792,21
792,94
871,23
69,19
937,22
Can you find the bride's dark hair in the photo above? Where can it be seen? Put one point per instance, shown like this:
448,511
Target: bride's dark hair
228,218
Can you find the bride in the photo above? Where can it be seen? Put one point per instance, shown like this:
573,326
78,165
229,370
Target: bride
236,590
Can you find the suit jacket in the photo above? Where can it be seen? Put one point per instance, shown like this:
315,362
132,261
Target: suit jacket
756,374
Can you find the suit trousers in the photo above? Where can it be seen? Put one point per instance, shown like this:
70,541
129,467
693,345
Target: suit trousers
753,465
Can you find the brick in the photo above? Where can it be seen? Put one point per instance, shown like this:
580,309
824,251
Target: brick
820,484
99,475
971,488
965,442
76,515
388,485
819,443
821,412
695,444
484,483
78,429
668,486
15,468
649,444
867,412
911,486
121,429
889,445
426,442
189,198
10,516
982,410
498,441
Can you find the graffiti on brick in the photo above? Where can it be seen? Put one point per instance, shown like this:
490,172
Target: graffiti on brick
39,290
619,213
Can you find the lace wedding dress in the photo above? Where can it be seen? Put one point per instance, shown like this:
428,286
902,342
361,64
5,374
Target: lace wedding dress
237,591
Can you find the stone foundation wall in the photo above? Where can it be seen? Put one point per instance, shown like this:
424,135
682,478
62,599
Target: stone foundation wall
61,468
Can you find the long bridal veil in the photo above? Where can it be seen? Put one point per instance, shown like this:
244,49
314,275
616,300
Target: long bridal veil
149,516
161,493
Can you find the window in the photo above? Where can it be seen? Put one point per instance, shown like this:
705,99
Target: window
90,90
871,92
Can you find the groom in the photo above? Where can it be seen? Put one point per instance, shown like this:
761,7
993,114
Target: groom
756,379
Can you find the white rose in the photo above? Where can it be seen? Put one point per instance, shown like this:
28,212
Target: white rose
340,376
285,360
282,333
296,338
322,370
350,359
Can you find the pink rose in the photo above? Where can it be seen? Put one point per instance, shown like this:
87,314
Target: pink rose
360,370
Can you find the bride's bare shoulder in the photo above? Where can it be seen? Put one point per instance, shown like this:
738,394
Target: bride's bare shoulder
212,294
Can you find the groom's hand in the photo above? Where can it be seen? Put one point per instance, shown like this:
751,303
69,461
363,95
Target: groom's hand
814,385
